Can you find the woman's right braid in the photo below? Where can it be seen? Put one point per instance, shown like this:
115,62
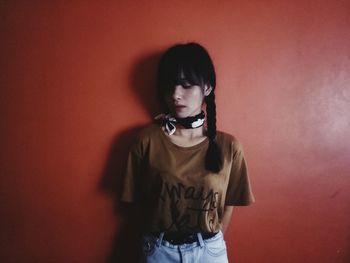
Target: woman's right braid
213,160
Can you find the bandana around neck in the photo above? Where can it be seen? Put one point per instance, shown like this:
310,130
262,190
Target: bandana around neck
169,122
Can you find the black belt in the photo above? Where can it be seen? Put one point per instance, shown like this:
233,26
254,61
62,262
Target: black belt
176,238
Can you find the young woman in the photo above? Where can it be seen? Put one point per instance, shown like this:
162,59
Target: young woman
184,174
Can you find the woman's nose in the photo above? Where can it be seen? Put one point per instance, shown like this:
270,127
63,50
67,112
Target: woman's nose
177,93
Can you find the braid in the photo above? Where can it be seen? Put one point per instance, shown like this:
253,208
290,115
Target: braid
213,161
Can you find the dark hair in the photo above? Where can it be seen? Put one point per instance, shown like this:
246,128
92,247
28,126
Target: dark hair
194,62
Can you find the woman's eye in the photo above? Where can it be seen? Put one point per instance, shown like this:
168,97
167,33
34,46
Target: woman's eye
186,85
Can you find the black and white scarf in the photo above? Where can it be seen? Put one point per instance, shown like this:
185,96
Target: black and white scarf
169,122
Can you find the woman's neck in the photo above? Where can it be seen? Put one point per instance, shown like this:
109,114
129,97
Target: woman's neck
189,133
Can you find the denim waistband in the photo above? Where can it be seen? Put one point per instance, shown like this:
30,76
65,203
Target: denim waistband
199,242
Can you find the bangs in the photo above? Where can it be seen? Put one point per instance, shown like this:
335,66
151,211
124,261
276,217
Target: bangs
183,75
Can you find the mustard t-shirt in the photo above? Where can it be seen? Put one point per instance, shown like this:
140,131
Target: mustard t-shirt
175,190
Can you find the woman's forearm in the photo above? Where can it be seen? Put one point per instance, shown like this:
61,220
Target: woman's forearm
226,219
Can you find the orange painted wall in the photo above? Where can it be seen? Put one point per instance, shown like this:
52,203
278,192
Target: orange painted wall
77,78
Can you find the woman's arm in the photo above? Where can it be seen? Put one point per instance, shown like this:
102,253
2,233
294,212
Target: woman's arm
226,219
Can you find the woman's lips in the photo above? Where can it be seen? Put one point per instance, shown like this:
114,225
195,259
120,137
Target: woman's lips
179,107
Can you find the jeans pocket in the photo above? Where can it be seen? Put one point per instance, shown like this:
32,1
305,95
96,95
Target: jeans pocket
216,249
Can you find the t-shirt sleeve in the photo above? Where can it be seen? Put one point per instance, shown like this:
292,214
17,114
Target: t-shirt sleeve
239,190
133,168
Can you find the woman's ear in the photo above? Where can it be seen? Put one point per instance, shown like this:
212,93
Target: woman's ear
207,90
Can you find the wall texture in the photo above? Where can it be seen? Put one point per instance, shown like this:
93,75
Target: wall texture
77,81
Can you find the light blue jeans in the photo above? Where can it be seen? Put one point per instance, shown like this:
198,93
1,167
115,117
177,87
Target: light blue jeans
211,250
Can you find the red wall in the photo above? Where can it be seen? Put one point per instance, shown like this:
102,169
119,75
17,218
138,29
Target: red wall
77,78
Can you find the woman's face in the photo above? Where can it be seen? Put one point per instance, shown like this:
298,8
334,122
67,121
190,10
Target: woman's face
185,100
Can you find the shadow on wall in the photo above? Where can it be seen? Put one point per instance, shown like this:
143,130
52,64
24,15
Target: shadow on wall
143,83
127,235
126,239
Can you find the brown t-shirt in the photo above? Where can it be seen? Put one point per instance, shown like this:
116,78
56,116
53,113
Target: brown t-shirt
171,183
